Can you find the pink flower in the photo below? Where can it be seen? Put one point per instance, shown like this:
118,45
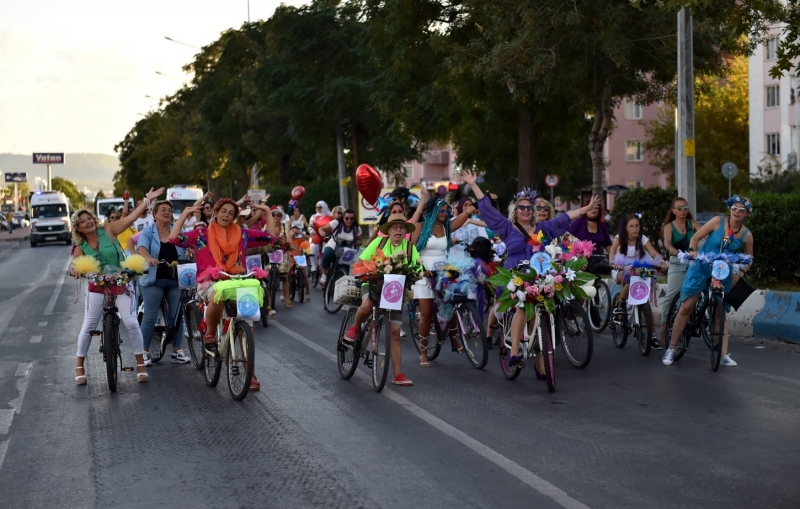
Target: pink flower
526,285
559,279
583,248
548,289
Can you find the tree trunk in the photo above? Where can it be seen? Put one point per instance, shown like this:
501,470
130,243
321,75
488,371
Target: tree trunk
353,189
283,170
603,116
528,150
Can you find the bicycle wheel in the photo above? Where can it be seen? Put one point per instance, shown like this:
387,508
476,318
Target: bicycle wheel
292,284
274,283
546,344
346,356
510,372
644,331
328,303
702,320
264,311
473,335
212,365
241,360
157,343
412,308
381,359
301,286
716,329
576,334
195,338
619,326
600,306
314,278
436,338
111,350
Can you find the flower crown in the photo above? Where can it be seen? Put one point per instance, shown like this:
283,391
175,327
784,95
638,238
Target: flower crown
741,200
526,194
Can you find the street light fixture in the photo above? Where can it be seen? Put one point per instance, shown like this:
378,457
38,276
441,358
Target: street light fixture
179,42
168,75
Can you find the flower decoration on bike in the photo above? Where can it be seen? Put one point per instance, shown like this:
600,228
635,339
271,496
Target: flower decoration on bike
380,264
736,260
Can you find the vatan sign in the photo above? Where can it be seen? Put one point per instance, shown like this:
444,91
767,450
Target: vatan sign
48,158
16,177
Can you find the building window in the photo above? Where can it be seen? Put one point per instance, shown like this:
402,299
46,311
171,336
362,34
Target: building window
633,110
633,184
773,96
634,150
772,48
408,171
774,144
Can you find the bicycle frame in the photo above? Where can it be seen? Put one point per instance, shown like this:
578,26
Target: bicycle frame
528,337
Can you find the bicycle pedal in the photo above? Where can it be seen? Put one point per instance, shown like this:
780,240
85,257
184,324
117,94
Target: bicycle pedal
127,369
235,370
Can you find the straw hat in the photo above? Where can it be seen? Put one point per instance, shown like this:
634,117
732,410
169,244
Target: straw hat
397,219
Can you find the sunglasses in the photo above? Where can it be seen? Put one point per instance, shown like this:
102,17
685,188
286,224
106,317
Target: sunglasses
276,215
525,208
681,208
543,207
738,209
349,218
444,211
113,217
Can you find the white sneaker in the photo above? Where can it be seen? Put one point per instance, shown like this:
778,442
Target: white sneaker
313,269
178,357
281,298
402,333
147,361
727,361
323,279
668,357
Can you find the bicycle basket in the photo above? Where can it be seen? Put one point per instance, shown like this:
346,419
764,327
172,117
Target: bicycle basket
347,292
599,265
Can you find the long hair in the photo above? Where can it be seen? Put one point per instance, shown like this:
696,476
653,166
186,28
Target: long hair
429,220
671,215
623,234
546,203
341,228
600,214
512,210
203,217
77,237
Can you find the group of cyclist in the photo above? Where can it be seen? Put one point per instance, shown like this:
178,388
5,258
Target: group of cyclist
220,235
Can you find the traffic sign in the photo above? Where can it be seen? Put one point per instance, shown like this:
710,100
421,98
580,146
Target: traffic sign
48,158
551,180
16,177
729,170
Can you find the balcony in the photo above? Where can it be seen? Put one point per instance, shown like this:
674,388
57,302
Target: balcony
437,157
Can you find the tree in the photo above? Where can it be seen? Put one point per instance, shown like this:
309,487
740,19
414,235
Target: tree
76,198
721,131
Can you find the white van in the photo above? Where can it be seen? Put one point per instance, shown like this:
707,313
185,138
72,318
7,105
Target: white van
182,197
50,218
104,206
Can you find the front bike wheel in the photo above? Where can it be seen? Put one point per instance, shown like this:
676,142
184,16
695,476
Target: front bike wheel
212,365
644,331
576,334
274,283
193,319
599,307
381,358
264,311
301,286
347,353
510,372
241,360
716,329
111,350
473,335
328,302
292,285
314,278
157,343
619,325
546,344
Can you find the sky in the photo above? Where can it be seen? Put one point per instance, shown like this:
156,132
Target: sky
74,74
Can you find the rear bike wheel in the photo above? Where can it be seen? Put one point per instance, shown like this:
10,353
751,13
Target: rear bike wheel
274,283
644,331
292,284
301,285
264,311
576,336
599,307
347,354
195,338
546,344
381,359
436,339
241,360
619,325
212,365
716,329
328,303
111,350
315,278
473,335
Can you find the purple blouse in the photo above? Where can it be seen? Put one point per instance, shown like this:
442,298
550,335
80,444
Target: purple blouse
601,238
516,246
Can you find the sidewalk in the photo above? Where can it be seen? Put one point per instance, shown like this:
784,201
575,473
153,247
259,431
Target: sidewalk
17,235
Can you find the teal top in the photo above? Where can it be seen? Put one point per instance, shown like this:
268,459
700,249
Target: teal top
714,241
109,251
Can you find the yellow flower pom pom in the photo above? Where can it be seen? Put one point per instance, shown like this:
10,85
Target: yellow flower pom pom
86,264
517,281
136,263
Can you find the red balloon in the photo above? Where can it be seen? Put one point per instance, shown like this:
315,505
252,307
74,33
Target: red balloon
369,183
316,239
321,221
298,192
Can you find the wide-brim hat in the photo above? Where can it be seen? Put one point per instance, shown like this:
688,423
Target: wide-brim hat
275,208
397,219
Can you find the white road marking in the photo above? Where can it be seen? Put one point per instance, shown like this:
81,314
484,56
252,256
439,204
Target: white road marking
14,330
36,339
780,378
23,369
6,416
42,324
50,305
513,468
9,311
3,450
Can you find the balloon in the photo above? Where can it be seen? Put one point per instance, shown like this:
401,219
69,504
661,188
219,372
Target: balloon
316,239
321,221
298,192
369,183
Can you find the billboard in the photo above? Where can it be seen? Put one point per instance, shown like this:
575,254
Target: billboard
48,158
16,177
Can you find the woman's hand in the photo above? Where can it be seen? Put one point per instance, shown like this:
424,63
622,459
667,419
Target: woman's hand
188,211
150,260
593,203
471,178
152,195
470,210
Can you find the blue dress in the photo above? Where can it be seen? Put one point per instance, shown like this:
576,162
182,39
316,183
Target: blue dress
698,277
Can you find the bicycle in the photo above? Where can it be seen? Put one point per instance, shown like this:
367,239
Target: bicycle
574,333
372,343
337,270
636,318
697,326
234,334
314,273
297,282
535,336
273,259
599,306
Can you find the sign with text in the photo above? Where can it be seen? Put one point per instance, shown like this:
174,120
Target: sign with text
48,158
16,177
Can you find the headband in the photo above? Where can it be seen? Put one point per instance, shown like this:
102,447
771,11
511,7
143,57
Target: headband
526,194
740,200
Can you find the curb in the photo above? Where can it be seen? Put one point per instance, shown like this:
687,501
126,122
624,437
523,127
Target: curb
15,239
780,317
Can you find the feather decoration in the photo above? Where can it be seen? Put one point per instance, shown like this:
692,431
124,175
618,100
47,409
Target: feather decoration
86,264
135,263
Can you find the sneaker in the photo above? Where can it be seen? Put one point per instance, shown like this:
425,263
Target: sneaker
727,361
313,269
655,343
668,357
401,379
352,334
281,297
402,333
178,357
147,360
323,279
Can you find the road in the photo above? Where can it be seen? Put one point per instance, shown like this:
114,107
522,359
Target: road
624,432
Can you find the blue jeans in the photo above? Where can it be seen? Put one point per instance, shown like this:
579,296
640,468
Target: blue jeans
152,303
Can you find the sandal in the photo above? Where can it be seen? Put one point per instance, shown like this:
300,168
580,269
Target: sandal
209,339
255,385
271,312
490,338
142,376
454,341
80,379
288,304
424,351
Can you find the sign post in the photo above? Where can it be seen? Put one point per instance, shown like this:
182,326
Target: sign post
729,170
16,178
551,181
48,158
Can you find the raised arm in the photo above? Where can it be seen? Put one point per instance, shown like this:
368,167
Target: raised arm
471,178
462,218
122,223
575,214
178,226
202,199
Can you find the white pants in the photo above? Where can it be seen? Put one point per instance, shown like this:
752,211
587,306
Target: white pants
94,314
314,251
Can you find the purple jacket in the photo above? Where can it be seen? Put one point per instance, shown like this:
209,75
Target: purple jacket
516,247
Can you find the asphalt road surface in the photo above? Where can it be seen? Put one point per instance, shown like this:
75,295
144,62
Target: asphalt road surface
624,432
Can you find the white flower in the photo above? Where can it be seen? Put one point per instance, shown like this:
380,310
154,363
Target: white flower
520,303
511,286
549,279
590,290
521,295
553,250
388,268
570,275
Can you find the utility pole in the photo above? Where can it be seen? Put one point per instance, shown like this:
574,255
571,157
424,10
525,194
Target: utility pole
344,201
685,162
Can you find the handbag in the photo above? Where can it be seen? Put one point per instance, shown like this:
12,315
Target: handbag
739,293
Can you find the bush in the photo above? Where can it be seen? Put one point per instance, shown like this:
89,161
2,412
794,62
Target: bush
653,203
323,189
776,241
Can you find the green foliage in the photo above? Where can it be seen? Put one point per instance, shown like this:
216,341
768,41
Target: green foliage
653,203
326,190
775,240
773,179
76,198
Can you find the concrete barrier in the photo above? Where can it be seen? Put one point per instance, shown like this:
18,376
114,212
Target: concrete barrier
779,318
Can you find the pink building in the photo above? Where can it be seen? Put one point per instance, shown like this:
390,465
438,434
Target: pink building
437,166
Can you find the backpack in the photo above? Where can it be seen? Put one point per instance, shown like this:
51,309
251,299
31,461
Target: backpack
409,247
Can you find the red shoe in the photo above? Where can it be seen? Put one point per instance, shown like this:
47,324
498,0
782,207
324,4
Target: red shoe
351,335
255,385
209,340
401,379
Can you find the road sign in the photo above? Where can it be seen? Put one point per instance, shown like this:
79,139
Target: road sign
16,177
48,158
551,180
729,170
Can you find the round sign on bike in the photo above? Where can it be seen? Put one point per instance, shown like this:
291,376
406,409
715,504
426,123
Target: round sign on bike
348,256
276,256
720,270
392,293
253,261
187,273
639,290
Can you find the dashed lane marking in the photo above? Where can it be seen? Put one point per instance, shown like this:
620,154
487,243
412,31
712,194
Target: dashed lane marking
510,466
36,339
53,298
42,324
785,379
23,369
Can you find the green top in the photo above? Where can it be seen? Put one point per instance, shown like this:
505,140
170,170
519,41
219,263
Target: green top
110,252
680,240
389,250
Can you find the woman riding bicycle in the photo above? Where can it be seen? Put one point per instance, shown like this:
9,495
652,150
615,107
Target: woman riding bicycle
343,231
725,234
316,241
298,220
219,247
161,281
102,244
515,232
276,228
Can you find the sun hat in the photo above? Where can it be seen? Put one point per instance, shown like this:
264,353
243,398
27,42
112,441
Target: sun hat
397,219
275,208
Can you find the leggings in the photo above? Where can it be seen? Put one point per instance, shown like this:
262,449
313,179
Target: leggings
94,314
315,252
